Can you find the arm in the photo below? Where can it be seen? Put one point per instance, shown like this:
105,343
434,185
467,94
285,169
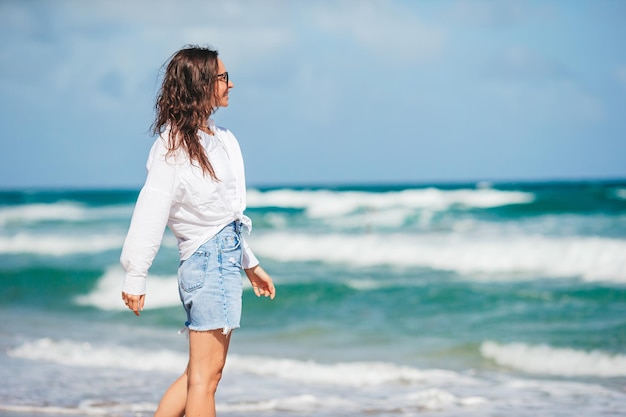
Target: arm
142,244
147,226
262,283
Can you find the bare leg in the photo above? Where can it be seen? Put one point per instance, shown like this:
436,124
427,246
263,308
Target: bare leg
207,356
173,402
175,398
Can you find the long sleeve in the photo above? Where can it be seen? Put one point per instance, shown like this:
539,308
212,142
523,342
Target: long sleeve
249,260
149,219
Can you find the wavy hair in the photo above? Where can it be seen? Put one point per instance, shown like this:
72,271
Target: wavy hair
186,100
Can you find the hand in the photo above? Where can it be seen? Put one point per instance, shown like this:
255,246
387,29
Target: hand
134,302
262,283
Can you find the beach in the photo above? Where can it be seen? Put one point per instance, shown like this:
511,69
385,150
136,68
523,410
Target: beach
478,299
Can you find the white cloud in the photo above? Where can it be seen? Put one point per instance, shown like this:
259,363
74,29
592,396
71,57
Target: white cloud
249,48
500,13
107,52
468,71
79,48
388,30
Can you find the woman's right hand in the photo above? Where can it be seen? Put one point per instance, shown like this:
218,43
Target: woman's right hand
134,302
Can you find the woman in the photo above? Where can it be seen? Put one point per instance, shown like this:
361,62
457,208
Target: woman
196,186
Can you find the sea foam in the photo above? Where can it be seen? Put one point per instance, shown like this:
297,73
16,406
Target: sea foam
61,211
41,212
162,291
83,354
351,374
491,257
275,385
619,193
326,203
544,359
432,399
59,244
356,374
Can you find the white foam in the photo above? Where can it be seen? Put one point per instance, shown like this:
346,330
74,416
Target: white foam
61,211
67,244
619,193
324,203
59,245
85,408
490,257
544,359
41,212
295,403
368,284
434,399
83,354
33,409
354,374
311,388
390,381
162,291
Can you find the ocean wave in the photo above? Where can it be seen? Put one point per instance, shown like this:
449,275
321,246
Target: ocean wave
294,403
544,359
356,374
162,291
326,203
432,399
307,387
84,354
85,408
41,212
497,257
61,211
58,245
425,387
618,193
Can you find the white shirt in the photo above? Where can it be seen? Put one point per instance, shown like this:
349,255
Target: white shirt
193,205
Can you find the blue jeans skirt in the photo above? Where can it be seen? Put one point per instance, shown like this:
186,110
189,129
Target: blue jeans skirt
209,282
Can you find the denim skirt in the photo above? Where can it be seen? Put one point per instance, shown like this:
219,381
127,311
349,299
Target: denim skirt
210,285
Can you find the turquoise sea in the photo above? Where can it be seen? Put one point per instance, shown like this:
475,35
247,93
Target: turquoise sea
487,299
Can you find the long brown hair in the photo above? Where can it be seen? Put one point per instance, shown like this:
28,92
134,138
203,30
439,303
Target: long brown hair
186,100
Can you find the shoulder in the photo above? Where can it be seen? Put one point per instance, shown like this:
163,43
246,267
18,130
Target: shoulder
161,151
160,146
223,131
227,136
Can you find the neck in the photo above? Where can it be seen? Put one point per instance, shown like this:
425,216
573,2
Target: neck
206,129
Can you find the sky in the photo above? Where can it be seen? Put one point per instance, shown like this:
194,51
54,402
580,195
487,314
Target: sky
326,92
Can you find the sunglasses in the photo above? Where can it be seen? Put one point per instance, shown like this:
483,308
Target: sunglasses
223,77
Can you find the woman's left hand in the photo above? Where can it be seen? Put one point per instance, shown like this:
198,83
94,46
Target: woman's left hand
262,283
